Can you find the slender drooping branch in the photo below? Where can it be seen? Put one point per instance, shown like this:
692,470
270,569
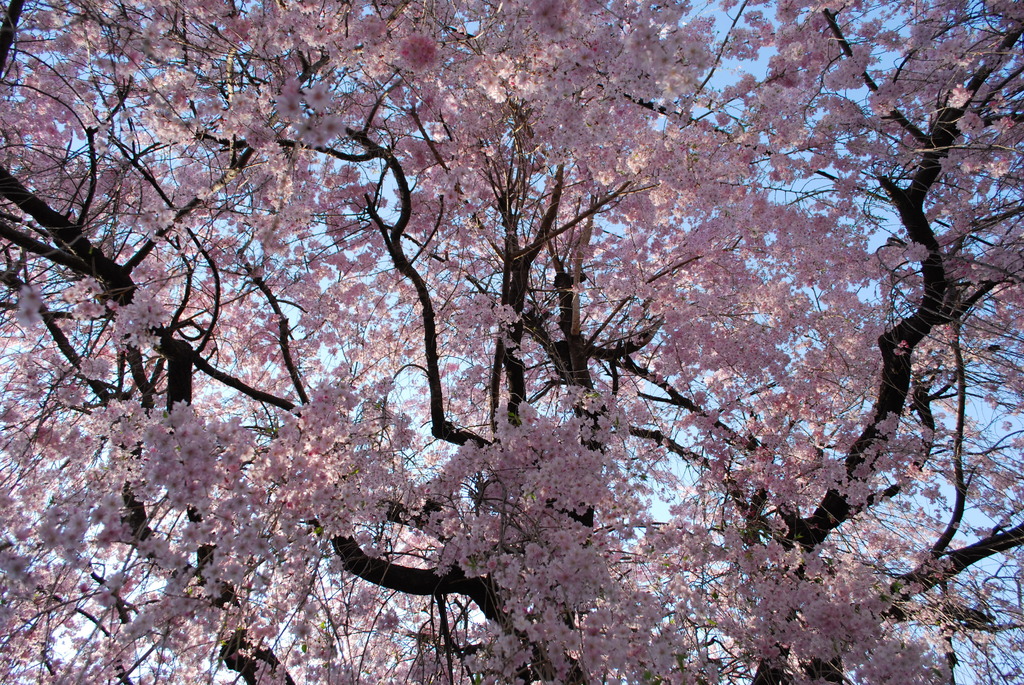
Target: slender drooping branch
238,164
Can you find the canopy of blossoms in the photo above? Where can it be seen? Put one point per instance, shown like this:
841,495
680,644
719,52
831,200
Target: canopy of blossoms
460,341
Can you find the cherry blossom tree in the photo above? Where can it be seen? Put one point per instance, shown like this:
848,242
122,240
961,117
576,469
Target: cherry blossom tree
468,341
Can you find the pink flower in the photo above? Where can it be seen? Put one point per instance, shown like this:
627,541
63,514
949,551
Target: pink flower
418,51
289,103
318,97
29,304
970,123
959,97
550,17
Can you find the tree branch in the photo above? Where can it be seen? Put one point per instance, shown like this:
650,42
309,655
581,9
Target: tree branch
7,30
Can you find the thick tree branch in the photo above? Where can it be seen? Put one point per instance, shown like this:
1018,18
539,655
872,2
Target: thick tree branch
117,280
240,386
416,581
55,255
950,564
7,31
247,660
